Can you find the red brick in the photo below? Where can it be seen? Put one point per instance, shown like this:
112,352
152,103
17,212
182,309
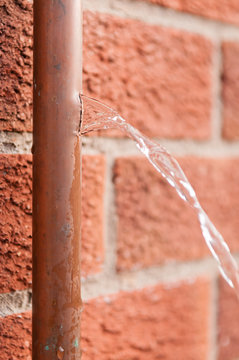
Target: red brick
222,10
160,322
15,220
15,337
143,71
16,65
146,71
230,90
228,323
155,226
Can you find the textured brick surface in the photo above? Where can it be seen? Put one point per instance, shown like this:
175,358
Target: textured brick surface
161,322
16,65
156,226
222,10
15,220
146,71
15,337
231,90
228,323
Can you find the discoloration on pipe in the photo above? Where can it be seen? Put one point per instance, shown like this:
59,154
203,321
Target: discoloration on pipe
56,179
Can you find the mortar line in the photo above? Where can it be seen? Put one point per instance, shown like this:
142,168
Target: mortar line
15,143
126,147
105,284
94,145
167,17
15,302
168,275
217,147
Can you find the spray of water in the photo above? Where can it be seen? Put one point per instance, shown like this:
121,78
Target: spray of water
97,116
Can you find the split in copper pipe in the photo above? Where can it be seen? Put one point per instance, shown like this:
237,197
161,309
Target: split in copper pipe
56,179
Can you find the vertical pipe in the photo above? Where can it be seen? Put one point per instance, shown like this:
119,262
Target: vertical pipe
56,179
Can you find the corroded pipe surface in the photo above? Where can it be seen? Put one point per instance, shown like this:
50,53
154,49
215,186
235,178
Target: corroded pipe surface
56,179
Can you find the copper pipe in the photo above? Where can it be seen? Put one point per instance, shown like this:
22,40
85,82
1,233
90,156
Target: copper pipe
56,179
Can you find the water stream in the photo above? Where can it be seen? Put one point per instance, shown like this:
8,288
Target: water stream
97,116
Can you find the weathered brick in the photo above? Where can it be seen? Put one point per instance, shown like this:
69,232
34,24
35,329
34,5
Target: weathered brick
228,323
15,337
160,322
158,78
230,81
16,65
155,226
15,220
222,10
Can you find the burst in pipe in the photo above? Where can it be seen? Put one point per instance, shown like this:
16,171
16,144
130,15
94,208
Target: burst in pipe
56,179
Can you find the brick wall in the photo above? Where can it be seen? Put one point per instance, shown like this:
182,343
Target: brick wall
150,287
